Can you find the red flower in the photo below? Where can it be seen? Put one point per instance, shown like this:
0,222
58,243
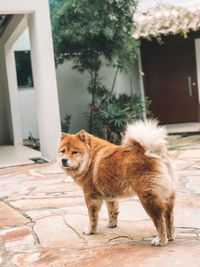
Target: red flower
94,107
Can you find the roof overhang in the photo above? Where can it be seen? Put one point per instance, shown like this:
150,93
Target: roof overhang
166,19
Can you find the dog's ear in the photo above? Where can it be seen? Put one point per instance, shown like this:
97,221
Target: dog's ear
62,136
83,136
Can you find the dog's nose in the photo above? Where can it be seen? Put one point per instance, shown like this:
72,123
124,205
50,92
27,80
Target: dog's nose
65,162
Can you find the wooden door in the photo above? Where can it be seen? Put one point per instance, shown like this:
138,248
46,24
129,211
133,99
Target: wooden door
170,80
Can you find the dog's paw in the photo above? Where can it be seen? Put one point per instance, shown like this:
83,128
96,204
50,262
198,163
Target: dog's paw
88,231
112,225
172,238
157,242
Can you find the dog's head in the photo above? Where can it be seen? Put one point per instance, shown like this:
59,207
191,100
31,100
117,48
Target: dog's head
74,154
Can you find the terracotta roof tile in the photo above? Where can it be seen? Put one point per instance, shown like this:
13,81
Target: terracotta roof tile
166,19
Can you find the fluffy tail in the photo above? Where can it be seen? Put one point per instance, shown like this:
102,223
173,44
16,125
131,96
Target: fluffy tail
151,136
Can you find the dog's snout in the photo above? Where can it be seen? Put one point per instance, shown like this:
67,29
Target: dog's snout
65,162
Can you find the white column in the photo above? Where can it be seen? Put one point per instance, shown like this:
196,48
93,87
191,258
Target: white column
141,82
13,95
197,52
44,80
10,35
6,131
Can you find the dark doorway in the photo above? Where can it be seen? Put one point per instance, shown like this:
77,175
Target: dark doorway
24,69
170,79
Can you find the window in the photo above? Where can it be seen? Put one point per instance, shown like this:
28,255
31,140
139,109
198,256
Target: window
24,69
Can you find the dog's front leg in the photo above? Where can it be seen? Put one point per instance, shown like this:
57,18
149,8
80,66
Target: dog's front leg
94,206
112,207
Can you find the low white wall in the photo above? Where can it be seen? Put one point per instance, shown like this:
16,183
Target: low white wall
74,97
28,116
26,96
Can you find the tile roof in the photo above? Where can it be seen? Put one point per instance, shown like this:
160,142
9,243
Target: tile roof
166,19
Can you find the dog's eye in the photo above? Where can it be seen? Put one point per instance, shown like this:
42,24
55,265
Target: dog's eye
74,152
62,151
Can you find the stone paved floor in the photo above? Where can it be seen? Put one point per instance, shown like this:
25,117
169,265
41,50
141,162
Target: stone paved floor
42,214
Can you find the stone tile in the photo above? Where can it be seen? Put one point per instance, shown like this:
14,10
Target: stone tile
54,188
42,181
138,254
187,216
52,169
47,202
52,231
188,172
2,251
186,236
196,165
190,154
26,259
43,258
193,187
38,214
20,245
132,210
180,164
14,233
12,185
17,155
194,179
10,217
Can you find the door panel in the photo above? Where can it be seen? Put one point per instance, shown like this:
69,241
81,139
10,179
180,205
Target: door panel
170,80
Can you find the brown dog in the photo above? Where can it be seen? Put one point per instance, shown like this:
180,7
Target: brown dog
105,171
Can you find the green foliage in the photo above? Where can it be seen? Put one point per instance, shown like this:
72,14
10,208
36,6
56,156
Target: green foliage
112,113
84,30
65,123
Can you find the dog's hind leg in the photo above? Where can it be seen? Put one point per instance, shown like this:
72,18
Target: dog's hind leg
161,239
94,206
155,209
113,212
169,218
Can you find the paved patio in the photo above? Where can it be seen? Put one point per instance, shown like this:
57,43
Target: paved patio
42,214
11,156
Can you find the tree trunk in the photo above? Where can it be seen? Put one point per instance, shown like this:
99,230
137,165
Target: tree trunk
94,86
114,81
131,88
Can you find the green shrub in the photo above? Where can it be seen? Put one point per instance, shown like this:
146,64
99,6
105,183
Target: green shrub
113,112
65,123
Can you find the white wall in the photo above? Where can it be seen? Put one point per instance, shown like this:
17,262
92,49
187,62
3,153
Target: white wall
23,42
73,97
28,117
26,96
